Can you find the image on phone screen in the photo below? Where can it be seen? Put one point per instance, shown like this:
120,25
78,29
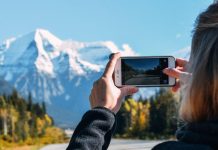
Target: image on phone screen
144,71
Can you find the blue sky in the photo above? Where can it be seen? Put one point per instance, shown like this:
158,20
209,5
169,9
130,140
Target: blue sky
142,64
150,27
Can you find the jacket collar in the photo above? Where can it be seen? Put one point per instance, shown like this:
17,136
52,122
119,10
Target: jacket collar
199,133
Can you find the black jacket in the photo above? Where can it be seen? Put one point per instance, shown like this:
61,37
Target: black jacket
95,130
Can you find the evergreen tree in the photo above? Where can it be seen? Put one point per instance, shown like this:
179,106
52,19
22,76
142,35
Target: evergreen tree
21,119
44,107
123,119
163,112
14,95
2,103
38,110
156,115
153,119
30,103
3,116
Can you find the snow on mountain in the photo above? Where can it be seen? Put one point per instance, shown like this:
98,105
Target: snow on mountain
60,72
41,50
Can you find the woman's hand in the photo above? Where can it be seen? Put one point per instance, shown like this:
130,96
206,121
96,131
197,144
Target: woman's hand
180,73
105,94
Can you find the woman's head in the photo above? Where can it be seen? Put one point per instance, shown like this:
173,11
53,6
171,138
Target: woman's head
200,100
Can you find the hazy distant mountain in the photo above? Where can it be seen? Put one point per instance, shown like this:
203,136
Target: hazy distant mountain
5,87
58,72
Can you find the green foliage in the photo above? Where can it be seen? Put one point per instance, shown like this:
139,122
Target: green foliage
151,118
23,121
2,102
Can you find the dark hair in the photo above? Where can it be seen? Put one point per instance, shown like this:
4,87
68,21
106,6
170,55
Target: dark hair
200,101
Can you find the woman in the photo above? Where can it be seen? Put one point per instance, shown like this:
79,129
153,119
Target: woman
199,108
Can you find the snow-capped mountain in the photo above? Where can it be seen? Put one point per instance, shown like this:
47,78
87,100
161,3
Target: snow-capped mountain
59,72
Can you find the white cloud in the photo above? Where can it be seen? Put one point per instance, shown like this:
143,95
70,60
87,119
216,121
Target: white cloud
183,53
128,51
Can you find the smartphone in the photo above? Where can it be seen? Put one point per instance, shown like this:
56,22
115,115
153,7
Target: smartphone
144,71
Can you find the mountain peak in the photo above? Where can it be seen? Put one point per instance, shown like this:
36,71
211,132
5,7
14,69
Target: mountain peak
48,37
56,71
40,48
41,30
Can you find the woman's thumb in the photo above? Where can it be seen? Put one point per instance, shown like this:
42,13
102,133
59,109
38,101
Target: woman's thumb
128,90
172,72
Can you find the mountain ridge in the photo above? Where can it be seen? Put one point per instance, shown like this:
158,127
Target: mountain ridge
59,72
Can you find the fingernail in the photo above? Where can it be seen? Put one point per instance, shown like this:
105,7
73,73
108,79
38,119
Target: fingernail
165,70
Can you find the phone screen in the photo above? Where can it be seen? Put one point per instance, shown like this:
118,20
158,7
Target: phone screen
144,71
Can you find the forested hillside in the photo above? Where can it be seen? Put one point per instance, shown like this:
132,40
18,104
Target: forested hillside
152,118
25,122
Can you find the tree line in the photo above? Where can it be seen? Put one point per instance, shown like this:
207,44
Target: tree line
149,118
23,121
